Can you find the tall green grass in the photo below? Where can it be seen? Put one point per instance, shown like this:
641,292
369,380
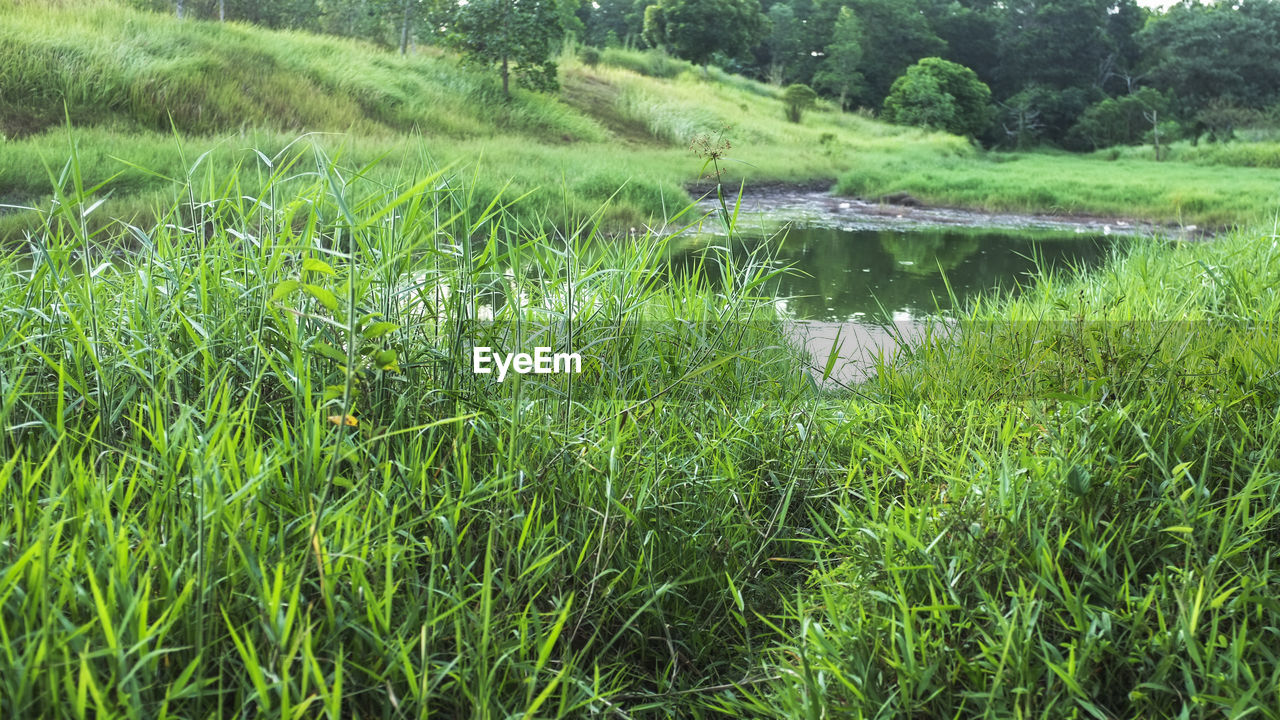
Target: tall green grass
1171,192
248,469
1066,505
1264,154
111,65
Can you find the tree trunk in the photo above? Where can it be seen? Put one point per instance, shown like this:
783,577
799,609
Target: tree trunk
404,29
506,87
222,10
1154,117
179,9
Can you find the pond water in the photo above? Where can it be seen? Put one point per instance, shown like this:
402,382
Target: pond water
879,276
872,275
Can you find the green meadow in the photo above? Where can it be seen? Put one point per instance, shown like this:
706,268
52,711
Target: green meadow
248,471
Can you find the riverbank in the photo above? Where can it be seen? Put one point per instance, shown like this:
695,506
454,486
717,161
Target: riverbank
612,146
274,427
1176,193
810,205
1064,505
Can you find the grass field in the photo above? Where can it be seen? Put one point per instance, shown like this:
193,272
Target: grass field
146,91
1189,193
1066,507
248,471
251,471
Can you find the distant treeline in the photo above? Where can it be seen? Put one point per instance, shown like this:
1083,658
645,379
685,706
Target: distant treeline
1081,74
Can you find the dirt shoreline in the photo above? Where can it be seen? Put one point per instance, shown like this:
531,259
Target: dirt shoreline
811,203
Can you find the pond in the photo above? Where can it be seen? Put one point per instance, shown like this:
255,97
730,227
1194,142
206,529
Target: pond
875,273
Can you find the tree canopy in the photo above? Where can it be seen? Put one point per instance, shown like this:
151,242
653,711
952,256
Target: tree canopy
940,95
697,29
518,36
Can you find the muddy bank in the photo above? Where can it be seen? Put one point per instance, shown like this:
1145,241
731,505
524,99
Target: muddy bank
812,205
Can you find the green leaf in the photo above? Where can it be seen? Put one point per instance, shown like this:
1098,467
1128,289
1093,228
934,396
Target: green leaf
379,329
317,265
324,349
324,296
285,289
386,359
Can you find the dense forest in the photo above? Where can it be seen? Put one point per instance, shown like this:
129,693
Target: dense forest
1077,74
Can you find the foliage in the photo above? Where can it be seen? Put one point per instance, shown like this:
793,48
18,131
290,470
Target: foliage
1221,116
1223,52
895,34
783,41
1038,111
518,36
939,94
590,56
1119,121
840,70
1080,486
697,29
1053,43
797,98
293,14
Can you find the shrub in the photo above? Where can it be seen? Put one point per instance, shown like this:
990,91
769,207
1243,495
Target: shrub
798,98
653,63
939,94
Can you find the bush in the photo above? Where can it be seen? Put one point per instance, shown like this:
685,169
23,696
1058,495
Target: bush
798,98
653,63
941,95
589,56
1119,121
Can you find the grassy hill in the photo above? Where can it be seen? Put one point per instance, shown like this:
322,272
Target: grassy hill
147,94
131,83
251,472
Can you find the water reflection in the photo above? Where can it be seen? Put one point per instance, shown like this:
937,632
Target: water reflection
877,276
871,287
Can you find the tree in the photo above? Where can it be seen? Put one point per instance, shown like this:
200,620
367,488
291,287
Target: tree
1220,52
783,40
697,29
969,30
1056,44
895,34
1220,117
570,24
797,98
1118,121
507,33
942,95
839,70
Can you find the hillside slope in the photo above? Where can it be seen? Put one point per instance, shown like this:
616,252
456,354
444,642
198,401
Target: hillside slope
126,79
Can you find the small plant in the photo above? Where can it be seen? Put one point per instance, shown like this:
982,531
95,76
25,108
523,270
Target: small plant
797,98
589,56
711,148
828,142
